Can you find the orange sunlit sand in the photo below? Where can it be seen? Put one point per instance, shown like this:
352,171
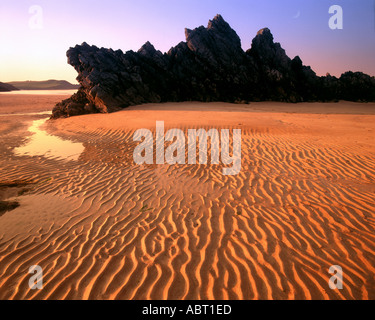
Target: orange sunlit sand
102,227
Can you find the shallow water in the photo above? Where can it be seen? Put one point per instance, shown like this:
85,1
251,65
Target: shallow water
43,144
26,114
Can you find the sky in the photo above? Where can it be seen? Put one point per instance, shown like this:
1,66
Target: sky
35,34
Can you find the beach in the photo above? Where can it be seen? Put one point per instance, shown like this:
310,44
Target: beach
103,227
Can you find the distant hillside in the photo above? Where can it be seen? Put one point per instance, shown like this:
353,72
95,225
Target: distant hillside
44,85
6,87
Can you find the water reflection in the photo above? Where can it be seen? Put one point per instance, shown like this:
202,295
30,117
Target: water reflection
26,114
43,144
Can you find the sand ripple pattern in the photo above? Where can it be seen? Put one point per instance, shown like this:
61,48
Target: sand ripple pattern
188,232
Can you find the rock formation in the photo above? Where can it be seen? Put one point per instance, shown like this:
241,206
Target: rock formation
209,66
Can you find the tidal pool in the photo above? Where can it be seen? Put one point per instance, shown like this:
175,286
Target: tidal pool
43,144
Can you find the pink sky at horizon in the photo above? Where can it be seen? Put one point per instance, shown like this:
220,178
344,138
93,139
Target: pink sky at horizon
300,26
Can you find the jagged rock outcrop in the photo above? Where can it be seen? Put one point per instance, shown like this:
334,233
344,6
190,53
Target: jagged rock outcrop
209,66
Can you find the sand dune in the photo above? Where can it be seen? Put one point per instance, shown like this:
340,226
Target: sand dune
102,227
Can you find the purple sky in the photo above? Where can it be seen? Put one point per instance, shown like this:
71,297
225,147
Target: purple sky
301,26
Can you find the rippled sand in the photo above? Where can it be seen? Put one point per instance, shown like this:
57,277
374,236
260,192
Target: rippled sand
102,227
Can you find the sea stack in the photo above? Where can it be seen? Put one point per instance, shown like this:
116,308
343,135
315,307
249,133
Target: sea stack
209,66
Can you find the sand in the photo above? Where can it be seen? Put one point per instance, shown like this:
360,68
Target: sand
102,227
16,102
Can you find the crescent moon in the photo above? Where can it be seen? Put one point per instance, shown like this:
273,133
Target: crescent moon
297,15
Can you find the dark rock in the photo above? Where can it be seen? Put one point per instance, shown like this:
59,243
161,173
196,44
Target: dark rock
76,105
9,189
8,206
356,86
209,66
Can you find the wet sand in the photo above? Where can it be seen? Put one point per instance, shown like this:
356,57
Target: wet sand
102,227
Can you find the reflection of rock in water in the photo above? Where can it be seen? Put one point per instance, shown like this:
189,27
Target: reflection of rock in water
9,189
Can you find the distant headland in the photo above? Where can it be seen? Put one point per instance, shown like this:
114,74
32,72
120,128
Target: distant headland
210,66
38,85
5,87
